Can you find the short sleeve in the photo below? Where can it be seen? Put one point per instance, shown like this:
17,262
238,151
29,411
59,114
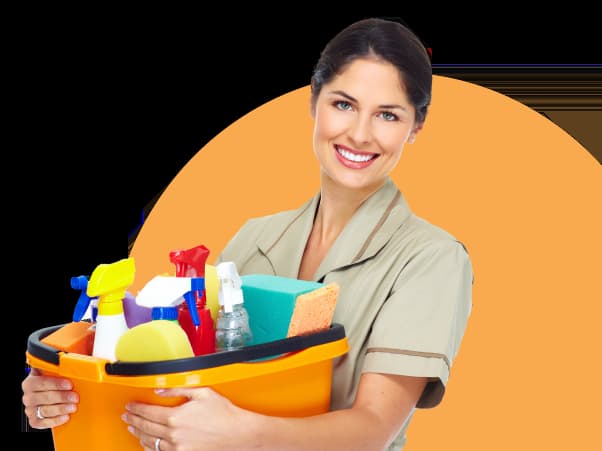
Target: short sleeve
421,325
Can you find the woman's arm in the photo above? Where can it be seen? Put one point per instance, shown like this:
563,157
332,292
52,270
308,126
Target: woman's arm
211,422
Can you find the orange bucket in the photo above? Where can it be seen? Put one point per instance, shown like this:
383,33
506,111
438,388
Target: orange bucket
289,377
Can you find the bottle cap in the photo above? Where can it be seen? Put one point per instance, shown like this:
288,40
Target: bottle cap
167,313
230,286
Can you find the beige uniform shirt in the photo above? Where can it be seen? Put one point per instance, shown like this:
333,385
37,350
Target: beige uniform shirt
405,288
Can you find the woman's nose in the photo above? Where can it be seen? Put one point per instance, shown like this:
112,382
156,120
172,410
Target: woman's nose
360,129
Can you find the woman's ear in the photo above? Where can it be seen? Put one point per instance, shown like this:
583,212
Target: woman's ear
414,132
312,107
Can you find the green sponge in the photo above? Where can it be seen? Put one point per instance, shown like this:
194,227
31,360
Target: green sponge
271,302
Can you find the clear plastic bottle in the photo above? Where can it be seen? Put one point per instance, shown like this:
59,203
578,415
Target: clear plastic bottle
232,330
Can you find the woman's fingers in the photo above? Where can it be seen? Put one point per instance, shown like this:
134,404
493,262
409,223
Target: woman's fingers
146,431
48,401
43,422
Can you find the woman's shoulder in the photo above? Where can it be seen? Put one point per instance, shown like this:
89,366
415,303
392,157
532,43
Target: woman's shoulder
426,234
258,223
258,228
414,231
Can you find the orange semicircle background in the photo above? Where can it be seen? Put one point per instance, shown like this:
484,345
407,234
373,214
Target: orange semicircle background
522,195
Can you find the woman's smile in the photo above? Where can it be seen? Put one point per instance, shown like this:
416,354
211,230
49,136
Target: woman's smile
354,159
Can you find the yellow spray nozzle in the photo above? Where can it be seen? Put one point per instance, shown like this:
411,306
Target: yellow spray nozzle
109,282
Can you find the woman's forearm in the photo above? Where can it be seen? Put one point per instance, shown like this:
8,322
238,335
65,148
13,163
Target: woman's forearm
382,405
345,430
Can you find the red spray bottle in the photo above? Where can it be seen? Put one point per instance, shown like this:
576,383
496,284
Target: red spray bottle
191,263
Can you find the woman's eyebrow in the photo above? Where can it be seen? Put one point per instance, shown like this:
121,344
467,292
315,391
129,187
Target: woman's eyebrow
354,100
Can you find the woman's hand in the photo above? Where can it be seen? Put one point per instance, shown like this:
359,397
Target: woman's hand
207,421
48,400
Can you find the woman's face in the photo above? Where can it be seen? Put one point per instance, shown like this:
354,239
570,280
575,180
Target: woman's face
363,118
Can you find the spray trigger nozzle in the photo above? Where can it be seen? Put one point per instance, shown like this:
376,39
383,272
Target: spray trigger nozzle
83,302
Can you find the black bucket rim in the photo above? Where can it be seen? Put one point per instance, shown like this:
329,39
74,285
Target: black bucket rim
49,354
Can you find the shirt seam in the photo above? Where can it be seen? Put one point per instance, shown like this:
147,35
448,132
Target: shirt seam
412,353
378,226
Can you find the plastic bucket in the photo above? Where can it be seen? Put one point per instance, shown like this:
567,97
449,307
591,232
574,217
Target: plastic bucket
290,377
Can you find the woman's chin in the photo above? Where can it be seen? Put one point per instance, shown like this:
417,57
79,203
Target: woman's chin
357,182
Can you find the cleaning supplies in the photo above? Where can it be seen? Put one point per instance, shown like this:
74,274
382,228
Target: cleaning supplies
109,282
314,310
85,306
280,307
162,294
211,289
167,341
232,326
135,314
191,263
78,335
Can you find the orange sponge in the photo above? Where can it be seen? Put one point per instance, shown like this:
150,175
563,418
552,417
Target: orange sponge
314,310
281,307
77,336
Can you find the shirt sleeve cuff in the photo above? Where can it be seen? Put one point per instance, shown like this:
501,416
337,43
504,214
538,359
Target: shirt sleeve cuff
396,362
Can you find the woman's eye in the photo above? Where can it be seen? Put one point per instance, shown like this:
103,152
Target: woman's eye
388,116
342,105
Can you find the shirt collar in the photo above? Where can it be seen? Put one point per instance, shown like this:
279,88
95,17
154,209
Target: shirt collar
369,229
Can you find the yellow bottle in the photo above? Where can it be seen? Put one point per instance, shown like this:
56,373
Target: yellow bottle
109,283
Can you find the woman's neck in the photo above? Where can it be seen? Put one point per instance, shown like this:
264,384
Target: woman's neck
337,205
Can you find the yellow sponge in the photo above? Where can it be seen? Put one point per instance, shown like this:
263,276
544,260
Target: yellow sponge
314,310
153,341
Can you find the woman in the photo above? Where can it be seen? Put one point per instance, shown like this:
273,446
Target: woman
405,285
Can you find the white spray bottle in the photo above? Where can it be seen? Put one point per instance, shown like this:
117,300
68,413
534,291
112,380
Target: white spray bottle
108,283
232,325
162,295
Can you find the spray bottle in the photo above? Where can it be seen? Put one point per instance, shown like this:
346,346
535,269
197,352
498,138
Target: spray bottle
85,306
109,282
191,263
161,295
78,335
134,313
232,325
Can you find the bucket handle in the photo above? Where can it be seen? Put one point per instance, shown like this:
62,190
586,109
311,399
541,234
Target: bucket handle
249,353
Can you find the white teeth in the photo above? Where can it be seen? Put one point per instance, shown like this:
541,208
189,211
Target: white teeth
354,157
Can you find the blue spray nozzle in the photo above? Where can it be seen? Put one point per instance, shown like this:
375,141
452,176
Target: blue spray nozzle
80,283
197,284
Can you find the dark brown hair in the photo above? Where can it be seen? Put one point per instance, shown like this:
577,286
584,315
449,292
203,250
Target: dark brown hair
385,40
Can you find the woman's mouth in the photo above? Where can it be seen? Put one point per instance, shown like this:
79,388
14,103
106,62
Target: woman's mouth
353,159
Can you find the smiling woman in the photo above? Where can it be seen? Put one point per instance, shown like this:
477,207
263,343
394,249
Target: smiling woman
405,284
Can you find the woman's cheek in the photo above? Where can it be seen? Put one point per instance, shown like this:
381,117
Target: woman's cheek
330,124
391,138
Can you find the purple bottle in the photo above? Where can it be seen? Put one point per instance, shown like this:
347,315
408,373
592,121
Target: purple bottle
135,314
